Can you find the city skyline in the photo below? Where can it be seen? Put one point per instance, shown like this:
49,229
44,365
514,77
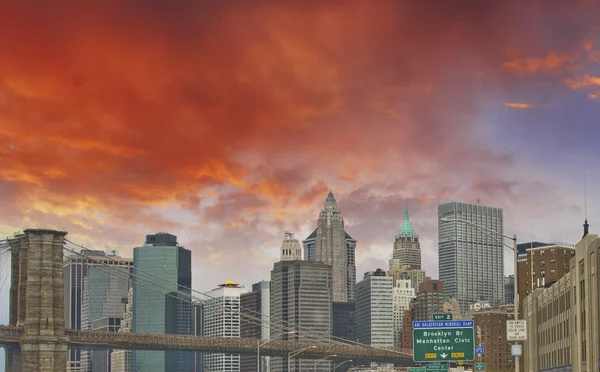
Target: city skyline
229,152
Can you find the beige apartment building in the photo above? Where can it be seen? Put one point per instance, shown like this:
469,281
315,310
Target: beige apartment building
563,320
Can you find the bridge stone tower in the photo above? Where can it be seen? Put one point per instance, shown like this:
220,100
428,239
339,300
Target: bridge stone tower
37,302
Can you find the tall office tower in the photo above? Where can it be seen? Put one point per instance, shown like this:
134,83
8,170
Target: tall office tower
121,359
75,269
429,301
402,295
374,316
407,248
157,312
301,298
471,258
105,291
222,319
330,243
398,271
290,248
255,312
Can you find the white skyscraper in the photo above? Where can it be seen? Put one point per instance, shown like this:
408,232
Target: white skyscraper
329,243
222,319
374,316
290,248
403,293
470,258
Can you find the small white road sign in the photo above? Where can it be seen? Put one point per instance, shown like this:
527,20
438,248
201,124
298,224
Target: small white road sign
516,330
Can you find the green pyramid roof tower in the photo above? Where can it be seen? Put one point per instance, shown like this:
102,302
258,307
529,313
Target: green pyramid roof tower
407,230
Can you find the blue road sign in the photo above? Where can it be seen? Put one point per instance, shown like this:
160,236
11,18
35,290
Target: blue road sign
444,324
479,349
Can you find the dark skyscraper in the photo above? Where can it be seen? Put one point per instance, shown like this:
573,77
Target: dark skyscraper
162,257
330,243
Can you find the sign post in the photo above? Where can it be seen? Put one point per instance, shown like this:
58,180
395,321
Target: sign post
516,330
443,341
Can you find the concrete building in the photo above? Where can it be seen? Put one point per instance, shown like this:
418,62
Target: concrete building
374,317
451,306
407,249
121,359
198,320
430,300
402,295
398,271
550,334
256,305
161,256
105,291
541,265
290,248
301,301
75,270
471,259
491,324
331,244
221,318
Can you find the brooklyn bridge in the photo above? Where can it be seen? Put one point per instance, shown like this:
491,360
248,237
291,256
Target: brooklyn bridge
36,340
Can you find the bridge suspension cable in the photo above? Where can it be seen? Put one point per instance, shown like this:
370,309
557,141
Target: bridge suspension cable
256,320
167,292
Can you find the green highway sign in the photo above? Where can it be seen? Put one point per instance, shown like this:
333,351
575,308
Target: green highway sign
443,341
445,316
436,367
479,367
416,369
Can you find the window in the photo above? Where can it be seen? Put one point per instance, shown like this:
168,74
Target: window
542,252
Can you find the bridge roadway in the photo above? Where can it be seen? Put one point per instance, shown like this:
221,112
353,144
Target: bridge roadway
133,341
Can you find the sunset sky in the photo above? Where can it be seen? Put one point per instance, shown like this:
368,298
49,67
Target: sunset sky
227,122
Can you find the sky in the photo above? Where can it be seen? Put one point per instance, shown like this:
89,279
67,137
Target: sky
226,123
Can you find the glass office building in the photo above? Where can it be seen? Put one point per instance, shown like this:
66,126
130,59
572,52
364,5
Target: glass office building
471,258
157,312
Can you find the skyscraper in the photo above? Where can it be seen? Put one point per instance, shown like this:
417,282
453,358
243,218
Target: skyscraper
75,269
105,292
402,295
155,312
407,248
253,306
301,293
471,258
121,359
374,315
222,319
331,244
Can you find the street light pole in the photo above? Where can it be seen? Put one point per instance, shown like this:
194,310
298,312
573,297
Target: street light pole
322,359
340,364
258,345
294,353
516,263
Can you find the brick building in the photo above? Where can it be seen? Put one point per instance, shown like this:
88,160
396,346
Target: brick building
492,324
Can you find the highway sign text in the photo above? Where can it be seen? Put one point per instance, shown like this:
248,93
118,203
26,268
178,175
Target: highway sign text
443,341
516,330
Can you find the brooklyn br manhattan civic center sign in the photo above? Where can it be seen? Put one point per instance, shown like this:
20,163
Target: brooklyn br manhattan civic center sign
439,341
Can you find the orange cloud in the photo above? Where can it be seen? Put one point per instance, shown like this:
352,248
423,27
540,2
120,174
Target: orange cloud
518,105
531,65
583,82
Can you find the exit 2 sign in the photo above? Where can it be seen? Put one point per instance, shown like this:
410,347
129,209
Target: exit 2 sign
442,316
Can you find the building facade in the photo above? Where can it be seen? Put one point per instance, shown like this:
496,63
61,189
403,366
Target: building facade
374,316
451,306
543,264
222,318
471,259
491,326
156,312
429,301
407,249
398,271
343,320
105,291
255,306
402,295
301,301
121,359
330,243
509,289
290,248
